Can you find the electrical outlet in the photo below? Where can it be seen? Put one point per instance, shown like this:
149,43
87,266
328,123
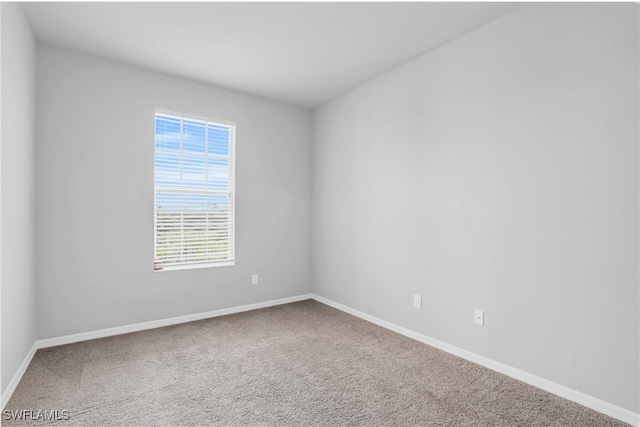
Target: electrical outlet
254,279
417,301
478,317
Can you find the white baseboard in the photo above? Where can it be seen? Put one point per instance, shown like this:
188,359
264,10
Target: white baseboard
102,333
69,339
557,389
11,387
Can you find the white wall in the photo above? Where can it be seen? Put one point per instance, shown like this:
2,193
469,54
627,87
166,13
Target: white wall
17,180
95,125
498,172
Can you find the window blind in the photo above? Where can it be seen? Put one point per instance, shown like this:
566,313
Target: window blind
194,191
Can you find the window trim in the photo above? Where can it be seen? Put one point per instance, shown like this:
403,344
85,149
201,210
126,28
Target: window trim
231,156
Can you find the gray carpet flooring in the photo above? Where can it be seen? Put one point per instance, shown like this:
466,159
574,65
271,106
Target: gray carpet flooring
299,364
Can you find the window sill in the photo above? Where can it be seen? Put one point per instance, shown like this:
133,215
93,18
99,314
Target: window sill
195,266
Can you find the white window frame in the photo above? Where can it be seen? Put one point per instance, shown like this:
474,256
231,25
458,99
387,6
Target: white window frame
159,265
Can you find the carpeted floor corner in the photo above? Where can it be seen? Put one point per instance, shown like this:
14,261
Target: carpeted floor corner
299,364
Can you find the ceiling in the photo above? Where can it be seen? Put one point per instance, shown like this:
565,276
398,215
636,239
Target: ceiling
300,53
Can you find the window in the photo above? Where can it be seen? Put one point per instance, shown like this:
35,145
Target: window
194,186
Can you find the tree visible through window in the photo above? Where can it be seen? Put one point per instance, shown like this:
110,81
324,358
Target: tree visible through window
194,184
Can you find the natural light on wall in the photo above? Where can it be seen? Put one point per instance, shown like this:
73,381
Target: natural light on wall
194,191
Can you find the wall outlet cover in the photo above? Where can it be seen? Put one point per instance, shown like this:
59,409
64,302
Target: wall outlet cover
417,301
478,317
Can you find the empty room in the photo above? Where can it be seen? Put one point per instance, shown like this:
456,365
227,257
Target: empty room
320,214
